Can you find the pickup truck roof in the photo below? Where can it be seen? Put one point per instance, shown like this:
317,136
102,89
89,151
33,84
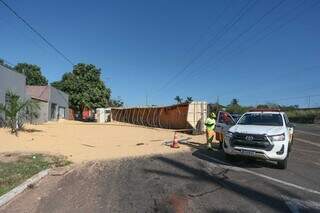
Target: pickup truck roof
265,110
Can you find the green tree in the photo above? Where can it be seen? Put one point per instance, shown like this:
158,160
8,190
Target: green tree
235,107
85,87
268,106
178,99
17,111
215,107
289,108
3,63
115,102
33,74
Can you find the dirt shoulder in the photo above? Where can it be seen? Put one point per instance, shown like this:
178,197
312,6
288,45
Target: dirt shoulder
82,142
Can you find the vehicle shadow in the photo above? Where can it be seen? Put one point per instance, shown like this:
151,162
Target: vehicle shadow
243,162
202,153
198,174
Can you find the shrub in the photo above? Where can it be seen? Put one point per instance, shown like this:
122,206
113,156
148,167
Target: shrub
303,116
17,111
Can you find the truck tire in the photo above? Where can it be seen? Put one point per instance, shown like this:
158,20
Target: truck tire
282,164
290,144
230,158
290,147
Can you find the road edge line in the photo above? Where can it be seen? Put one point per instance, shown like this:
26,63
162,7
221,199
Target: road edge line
306,141
4,199
306,132
234,168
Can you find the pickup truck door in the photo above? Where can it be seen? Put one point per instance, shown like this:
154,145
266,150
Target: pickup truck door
224,122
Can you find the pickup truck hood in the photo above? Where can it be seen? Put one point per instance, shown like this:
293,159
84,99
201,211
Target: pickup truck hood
257,129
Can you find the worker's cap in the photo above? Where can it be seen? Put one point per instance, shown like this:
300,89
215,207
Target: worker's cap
212,114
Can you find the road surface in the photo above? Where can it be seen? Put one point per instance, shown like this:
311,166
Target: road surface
197,181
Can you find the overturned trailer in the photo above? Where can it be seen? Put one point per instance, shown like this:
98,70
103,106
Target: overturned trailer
187,116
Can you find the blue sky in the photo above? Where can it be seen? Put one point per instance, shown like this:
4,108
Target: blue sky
140,46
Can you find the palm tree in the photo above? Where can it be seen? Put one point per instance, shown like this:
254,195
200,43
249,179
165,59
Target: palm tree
234,102
178,99
189,99
17,111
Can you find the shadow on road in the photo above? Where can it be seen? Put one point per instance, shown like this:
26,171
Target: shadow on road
223,182
245,162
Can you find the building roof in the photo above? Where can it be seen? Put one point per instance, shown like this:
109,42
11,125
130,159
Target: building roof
4,67
38,92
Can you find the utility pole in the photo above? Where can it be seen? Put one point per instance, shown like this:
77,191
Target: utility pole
309,101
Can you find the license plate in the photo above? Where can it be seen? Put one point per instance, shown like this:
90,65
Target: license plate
249,153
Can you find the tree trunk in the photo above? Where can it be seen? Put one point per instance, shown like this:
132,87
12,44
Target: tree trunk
81,112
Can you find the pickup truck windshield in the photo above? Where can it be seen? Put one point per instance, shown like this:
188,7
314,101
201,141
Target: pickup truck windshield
263,119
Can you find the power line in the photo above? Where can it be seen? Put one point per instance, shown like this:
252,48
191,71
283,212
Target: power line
207,31
281,99
248,29
282,25
214,40
256,39
37,33
276,6
217,19
244,10
26,36
316,3
294,98
297,15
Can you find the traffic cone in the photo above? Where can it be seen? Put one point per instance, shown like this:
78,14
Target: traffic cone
175,142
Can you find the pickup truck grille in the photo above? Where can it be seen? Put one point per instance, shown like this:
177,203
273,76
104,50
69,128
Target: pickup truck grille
251,141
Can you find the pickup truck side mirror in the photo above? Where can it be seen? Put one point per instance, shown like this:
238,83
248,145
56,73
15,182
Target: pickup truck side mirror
291,125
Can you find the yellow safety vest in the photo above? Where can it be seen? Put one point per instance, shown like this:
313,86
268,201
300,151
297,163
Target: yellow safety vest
210,123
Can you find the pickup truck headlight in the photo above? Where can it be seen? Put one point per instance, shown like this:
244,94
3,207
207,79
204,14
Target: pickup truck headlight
280,137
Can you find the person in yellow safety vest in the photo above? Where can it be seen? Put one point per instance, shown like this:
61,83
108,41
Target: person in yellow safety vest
210,125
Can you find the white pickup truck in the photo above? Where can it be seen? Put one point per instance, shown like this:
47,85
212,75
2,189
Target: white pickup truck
265,134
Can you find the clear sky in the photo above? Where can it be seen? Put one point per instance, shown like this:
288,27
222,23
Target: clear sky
263,55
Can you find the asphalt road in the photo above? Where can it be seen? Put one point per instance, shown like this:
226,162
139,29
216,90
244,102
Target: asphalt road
198,181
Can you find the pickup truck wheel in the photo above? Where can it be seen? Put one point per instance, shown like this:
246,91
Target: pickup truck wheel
230,158
290,147
290,144
282,164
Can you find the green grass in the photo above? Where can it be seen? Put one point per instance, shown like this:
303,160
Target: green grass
16,172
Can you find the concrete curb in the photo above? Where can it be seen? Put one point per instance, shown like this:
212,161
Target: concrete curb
14,192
